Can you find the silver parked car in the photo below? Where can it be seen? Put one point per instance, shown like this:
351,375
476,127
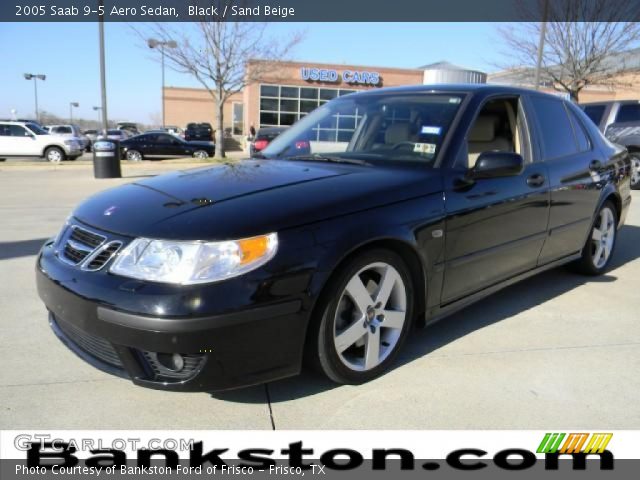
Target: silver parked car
114,134
70,132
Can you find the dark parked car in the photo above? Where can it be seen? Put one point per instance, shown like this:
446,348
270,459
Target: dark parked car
263,137
620,122
198,131
412,203
160,144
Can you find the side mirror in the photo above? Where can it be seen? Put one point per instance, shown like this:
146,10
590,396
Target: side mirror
497,164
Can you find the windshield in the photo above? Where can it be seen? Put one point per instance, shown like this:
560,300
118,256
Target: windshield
385,127
36,129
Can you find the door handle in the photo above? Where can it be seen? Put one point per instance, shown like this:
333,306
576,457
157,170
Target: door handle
595,165
535,180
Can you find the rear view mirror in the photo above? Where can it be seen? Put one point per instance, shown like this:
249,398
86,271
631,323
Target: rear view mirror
497,164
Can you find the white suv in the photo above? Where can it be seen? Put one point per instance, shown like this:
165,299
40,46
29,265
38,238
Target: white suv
26,139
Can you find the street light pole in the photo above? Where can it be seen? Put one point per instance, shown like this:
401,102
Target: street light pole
162,95
153,43
543,33
103,75
35,77
71,105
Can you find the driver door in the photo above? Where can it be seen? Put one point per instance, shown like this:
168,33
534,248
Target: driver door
495,227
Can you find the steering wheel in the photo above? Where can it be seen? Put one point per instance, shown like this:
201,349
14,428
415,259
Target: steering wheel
403,144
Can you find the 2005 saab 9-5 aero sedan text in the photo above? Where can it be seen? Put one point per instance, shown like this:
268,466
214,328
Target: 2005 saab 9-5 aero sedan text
377,211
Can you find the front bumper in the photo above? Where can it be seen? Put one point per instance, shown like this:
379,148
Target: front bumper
246,347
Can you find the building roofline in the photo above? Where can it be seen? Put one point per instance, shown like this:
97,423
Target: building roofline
323,64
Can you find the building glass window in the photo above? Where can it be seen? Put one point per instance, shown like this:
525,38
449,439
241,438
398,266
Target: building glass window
283,105
238,118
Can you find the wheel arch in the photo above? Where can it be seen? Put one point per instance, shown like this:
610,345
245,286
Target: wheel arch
611,195
53,145
409,255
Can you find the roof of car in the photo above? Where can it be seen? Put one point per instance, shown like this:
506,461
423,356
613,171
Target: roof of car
268,130
453,88
609,102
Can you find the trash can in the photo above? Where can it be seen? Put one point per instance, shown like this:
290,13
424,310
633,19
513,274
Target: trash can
106,159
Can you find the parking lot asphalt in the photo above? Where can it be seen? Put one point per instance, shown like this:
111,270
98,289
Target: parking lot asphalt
558,350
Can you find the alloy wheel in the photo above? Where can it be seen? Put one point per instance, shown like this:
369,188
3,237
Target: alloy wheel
603,237
134,156
201,154
370,317
635,171
54,156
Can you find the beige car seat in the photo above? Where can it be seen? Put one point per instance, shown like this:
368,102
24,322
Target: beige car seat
482,138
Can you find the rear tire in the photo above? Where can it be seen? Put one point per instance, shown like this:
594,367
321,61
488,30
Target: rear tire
134,156
635,171
202,154
599,247
54,154
362,318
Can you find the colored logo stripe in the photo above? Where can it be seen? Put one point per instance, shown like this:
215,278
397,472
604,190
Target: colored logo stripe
598,442
574,443
550,443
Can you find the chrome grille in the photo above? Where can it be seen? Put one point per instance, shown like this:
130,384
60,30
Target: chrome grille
86,249
101,256
86,237
95,346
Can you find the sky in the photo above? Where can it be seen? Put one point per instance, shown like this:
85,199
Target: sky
68,54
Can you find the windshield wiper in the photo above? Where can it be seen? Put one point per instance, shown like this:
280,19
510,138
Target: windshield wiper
328,158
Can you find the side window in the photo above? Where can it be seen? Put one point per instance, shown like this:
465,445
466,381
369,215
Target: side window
17,131
558,139
595,113
4,130
629,112
498,127
581,136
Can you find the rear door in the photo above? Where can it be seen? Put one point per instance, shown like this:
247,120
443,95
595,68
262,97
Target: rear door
495,226
575,168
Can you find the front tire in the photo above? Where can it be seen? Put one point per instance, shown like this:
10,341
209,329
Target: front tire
363,317
635,171
598,249
54,154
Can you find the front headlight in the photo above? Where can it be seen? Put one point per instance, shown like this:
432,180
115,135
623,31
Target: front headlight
187,263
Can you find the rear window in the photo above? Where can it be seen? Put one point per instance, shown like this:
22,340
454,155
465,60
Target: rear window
629,112
581,136
595,112
558,139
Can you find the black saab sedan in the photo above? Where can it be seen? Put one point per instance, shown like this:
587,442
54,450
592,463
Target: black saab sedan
409,204
163,145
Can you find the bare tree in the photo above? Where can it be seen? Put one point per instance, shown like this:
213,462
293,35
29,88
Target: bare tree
584,44
216,54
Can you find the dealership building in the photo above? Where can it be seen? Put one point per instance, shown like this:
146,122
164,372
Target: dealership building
283,95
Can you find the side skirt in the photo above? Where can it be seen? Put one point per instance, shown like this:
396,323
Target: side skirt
438,313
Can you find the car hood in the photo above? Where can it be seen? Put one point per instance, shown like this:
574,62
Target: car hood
249,198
